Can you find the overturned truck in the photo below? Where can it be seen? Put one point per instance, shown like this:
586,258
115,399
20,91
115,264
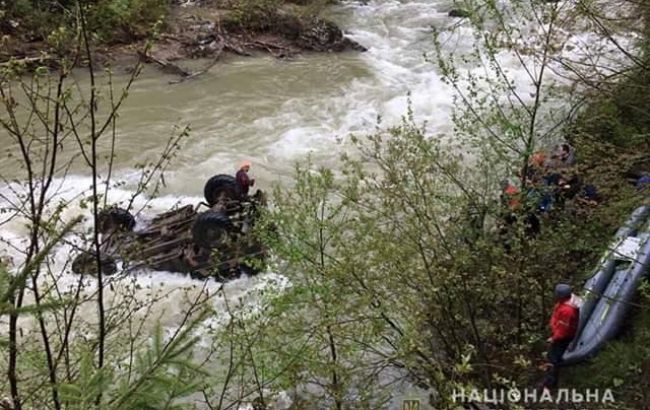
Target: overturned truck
216,242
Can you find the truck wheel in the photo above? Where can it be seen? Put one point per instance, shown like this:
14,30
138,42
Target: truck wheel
115,219
221,187
85,264
211,229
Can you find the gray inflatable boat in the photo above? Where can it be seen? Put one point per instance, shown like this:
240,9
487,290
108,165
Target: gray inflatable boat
609,290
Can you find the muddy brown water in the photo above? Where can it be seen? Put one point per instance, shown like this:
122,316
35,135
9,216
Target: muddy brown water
275,112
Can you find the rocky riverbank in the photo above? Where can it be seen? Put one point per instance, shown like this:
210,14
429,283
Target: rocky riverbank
206,30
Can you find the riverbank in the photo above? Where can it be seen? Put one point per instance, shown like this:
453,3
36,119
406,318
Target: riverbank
613,134
201,29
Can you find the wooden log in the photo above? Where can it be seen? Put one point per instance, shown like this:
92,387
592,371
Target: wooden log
167,66
44,59
204,70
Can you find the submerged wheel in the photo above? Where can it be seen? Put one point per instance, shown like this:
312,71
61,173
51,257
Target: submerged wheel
86,264
211,229
115,219
221,187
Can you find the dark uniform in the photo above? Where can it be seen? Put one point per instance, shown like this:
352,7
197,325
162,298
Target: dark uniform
243,181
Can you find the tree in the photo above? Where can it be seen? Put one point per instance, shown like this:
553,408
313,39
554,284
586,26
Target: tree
89,350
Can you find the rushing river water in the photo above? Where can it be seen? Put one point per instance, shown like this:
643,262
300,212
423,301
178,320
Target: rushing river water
275,112
272,112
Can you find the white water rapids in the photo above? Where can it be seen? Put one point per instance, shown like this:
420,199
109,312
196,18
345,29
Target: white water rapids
273,112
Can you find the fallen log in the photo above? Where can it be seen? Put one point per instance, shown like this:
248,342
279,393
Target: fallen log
204,70
46,60
282,51
167,66
236,49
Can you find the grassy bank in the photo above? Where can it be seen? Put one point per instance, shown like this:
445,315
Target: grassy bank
614,136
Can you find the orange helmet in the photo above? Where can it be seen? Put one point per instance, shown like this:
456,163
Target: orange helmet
538,158
511,190
244,163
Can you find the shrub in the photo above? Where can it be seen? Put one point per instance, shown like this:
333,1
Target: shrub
255,15
125,20
110,20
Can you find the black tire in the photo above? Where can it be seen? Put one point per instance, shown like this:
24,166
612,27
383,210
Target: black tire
221,187
115,219
212,230
85,264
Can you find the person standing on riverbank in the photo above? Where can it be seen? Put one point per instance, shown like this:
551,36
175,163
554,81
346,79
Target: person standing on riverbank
243,180
564,325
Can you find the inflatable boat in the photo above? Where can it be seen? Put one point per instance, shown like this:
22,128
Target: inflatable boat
611,288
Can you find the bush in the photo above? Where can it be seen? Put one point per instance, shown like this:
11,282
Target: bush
124,20
30,18
255,15
110,20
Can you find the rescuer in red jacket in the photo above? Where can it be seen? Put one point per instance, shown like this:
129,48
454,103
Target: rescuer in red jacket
243,180
564,324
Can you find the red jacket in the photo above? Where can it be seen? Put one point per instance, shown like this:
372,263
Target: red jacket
564,321
511,197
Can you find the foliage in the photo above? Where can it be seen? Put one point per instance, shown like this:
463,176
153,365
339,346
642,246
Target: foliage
613,133
618,117
84,343
161,373
109,20
126,20
255,15
390,262
272,15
